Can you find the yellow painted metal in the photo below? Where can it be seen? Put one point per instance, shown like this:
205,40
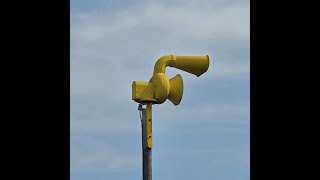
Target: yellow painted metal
149,124
176,89
143,91
160,88
196,65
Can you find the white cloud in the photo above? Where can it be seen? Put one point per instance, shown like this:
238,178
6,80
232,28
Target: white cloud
104,126
99,156
188,21
110,50
237,71
136,37
231,157
207,113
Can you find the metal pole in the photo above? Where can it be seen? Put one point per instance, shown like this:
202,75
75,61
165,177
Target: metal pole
146,151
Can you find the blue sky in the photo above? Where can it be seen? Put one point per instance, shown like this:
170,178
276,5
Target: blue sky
116,42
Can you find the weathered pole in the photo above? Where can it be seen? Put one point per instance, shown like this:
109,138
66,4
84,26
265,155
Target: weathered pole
146,151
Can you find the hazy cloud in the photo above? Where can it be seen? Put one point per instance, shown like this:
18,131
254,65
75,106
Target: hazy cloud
110,49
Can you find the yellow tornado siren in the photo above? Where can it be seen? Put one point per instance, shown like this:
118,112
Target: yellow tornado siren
160,87
158,90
